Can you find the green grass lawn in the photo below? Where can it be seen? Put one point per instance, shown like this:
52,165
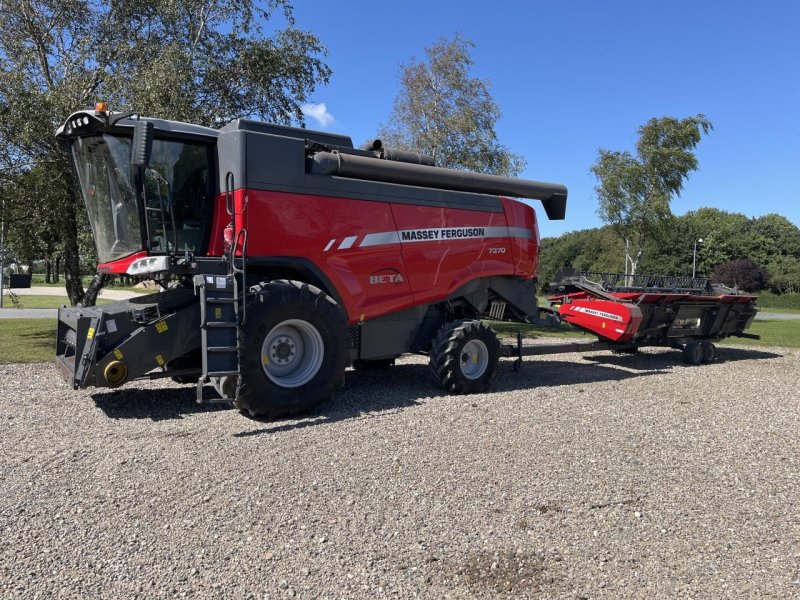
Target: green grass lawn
42,301
27,340
777,309
785,334
785,303
504,329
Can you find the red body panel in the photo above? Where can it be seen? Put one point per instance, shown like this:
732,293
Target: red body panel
525,251
376,254
615,321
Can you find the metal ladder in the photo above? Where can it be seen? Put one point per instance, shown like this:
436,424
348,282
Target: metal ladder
223,309
219,328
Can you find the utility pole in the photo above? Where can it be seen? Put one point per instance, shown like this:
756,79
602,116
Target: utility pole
694,255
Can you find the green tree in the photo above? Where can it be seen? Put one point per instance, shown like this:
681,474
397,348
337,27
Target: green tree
784,275
194,60
444,112
594,250
635,192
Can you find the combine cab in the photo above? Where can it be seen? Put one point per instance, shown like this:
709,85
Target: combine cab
288,254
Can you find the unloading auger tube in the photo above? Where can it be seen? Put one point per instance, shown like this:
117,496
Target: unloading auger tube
552,195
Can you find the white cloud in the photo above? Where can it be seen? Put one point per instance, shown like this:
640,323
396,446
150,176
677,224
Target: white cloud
318,112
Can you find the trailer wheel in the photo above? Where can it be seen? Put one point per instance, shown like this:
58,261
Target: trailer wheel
709,352
294,350
693,353
464,356
372,365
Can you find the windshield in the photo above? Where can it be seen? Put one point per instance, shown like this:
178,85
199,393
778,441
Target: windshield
106,178
176,196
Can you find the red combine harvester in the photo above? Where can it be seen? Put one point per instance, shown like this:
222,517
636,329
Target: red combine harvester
287,254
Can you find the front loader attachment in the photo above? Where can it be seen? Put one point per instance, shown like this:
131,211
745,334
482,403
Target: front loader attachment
118,342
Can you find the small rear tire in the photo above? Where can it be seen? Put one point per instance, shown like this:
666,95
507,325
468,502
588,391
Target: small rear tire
693,353
709,352
464,356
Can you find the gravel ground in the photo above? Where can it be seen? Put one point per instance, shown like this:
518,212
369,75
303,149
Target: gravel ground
594,476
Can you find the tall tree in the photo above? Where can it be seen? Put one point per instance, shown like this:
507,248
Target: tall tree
203,61
444,112
635,192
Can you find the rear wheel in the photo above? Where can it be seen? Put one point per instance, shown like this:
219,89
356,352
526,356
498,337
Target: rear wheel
464,356
709,352
693,353
294,350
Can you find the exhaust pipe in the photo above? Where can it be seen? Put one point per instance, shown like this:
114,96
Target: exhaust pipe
552,195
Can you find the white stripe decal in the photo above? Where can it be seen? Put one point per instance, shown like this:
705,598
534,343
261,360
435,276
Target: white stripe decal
520,232
328,247
380,239
443,234
347,242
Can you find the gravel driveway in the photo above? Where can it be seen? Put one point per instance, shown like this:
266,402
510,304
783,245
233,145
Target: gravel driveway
595,476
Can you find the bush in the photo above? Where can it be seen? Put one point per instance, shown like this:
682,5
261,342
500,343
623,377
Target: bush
741,273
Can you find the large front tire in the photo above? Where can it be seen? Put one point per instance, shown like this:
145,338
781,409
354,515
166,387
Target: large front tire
464,356
294,349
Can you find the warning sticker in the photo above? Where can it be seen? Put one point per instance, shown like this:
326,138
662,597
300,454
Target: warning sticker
90,333
118,354
161,326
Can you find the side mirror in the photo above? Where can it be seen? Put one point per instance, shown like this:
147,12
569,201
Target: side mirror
142,143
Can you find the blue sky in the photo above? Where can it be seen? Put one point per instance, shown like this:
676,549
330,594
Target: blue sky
571,77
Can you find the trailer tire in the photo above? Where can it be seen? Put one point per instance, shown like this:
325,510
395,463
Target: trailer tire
693,353
709,352
296,324
372,365
464,356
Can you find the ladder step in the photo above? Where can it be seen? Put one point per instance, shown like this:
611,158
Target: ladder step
223,349
220,324
220,300
222,373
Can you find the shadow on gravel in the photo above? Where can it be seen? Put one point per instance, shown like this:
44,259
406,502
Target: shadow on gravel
366,395
157,405
724,354
648,361
372,394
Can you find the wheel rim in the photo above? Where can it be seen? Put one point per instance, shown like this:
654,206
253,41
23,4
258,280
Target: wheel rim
292,353
474,359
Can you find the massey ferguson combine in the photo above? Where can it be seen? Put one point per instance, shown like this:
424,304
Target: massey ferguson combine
287,254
